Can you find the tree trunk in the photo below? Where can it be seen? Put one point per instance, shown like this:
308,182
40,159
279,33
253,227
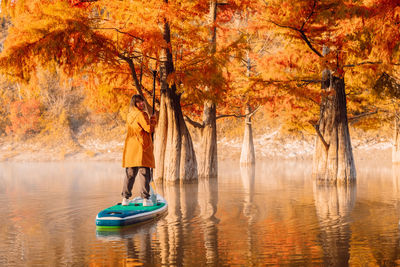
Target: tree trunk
160,141
333,157
208,155
396,145
247,156
174,153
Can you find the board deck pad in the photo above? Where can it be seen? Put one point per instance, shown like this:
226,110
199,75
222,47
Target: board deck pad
119,215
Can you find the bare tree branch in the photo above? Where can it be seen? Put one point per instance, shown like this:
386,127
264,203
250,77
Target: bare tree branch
138,84
302,34
368,63
118,30
229,115
355,118
291,81
133,72
254,111
304,37
309,16
313,100
194,123
362,63
316,127
236,115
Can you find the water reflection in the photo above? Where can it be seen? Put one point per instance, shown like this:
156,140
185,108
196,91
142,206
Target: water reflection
247,173
381,210
375,228
191,208
271,214
334,204
396,179
208,200
175,231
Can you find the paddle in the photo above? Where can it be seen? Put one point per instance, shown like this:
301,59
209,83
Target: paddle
152,134
154,89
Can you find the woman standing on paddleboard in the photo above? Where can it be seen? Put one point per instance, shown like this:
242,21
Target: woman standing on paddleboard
138,155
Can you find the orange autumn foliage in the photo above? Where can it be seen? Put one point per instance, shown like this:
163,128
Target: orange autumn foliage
99,38
352,39
24,117
94,41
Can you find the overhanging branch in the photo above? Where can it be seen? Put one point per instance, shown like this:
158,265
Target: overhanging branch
117,30
133,72
135,78
362,63
302,34
229,115
304,37
355,118
236,115
310,15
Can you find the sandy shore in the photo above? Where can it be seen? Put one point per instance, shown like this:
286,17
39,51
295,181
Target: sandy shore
97,150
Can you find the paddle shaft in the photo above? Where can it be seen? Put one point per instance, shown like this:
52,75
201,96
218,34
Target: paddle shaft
152,135
154,89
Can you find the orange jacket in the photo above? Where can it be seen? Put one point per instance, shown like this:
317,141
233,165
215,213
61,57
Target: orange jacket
138,148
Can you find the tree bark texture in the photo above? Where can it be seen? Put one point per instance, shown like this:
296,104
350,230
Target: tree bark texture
396,146
208,154
333,157
175,157
160,141
247,155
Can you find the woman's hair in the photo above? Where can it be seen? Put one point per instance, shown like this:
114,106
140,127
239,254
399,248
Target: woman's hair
135,99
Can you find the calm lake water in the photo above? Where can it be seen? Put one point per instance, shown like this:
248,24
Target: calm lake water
271,215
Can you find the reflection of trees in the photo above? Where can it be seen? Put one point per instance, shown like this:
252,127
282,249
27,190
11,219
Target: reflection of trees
208,199
334,205
375,227
173,231
176,233
378,220
170,229
396,178
247,173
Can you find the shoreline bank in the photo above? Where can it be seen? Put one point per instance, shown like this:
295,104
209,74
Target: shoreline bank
95,150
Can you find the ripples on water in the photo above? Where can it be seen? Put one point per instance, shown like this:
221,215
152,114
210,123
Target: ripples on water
271,215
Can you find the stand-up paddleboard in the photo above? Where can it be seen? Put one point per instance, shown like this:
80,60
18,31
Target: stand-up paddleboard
118,216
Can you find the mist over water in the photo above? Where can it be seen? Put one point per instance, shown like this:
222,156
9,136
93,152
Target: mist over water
273,214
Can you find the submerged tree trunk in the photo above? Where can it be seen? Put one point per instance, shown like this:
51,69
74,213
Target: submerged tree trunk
333,157
208,155
247,155
174,153
396,145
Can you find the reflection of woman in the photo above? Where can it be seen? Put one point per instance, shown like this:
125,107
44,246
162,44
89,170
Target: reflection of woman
138,155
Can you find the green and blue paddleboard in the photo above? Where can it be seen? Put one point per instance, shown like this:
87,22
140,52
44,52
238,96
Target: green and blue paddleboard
118,216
